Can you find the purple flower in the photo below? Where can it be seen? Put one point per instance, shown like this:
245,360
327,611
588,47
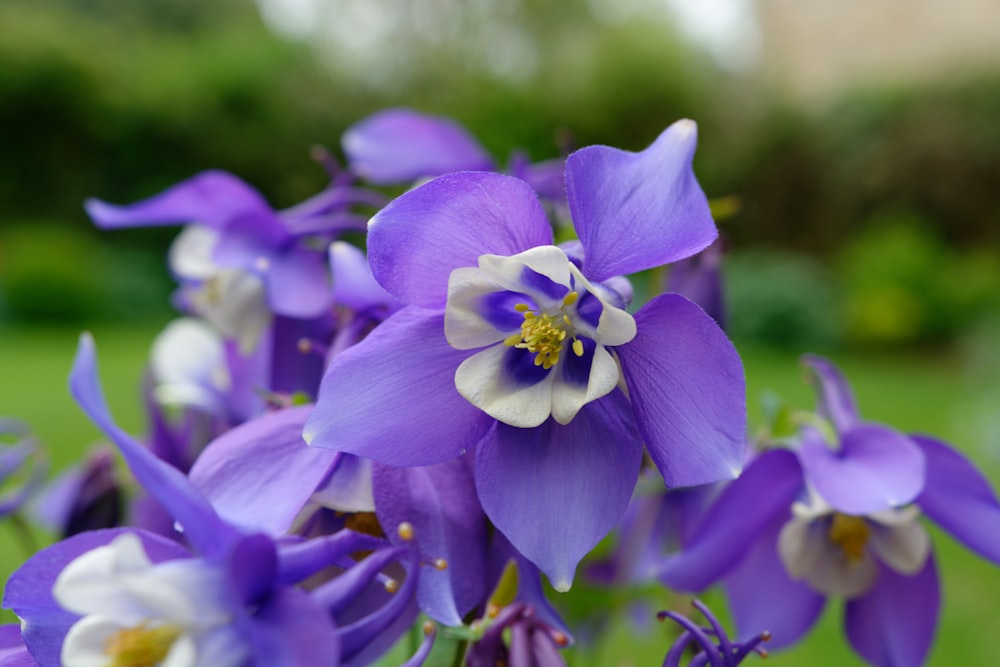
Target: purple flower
237,231
437,503
781,547
131,597
402,145
859,467
524,351
85,497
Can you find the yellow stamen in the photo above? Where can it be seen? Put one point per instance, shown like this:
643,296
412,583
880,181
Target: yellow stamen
405,531
850,533
141,646
544,334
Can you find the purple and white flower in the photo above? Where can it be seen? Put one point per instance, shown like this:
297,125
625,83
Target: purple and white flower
503,330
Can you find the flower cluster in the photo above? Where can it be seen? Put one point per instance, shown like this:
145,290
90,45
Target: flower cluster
345,448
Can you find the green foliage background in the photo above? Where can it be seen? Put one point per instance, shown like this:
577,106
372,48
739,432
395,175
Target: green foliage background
867,225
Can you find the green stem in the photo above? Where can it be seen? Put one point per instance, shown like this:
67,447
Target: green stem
460,649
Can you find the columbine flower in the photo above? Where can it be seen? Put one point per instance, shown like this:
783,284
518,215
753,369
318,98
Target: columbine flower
129,598
857,466
781,547
402,145
503,330
137,613
840,554
438,503
241,232
88,496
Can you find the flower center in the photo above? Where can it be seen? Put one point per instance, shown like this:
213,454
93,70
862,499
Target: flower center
850,533
545,335
141,646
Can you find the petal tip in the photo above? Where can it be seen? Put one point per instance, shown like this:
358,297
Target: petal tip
686,127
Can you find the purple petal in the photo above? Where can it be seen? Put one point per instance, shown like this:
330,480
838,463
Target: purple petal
29,589
762,597
835,398
401,145
212,198
392,398
440,503
686,383
529,582
291,630
260,474
699,280
877,467
203,527
297,284
292,370
13,652
416,241
253,564
634,211
554,490
729,528
958,496
353,283
547,178
653,525
893,624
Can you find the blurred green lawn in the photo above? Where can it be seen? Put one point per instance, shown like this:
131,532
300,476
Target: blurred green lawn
928,393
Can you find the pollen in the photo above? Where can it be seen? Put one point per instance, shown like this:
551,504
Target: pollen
851,534
545,335
141,646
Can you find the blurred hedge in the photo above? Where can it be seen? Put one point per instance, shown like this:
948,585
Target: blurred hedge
119,100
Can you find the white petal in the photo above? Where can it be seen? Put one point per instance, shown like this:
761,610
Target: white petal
808,554
896,516
183,653
834,575
464,326
349,488
800,545
189,365
481,380
235,303
904,547
190,255
84,644
548,260
614,327
568,398
92,583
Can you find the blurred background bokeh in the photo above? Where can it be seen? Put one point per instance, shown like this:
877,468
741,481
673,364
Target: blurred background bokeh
858,143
